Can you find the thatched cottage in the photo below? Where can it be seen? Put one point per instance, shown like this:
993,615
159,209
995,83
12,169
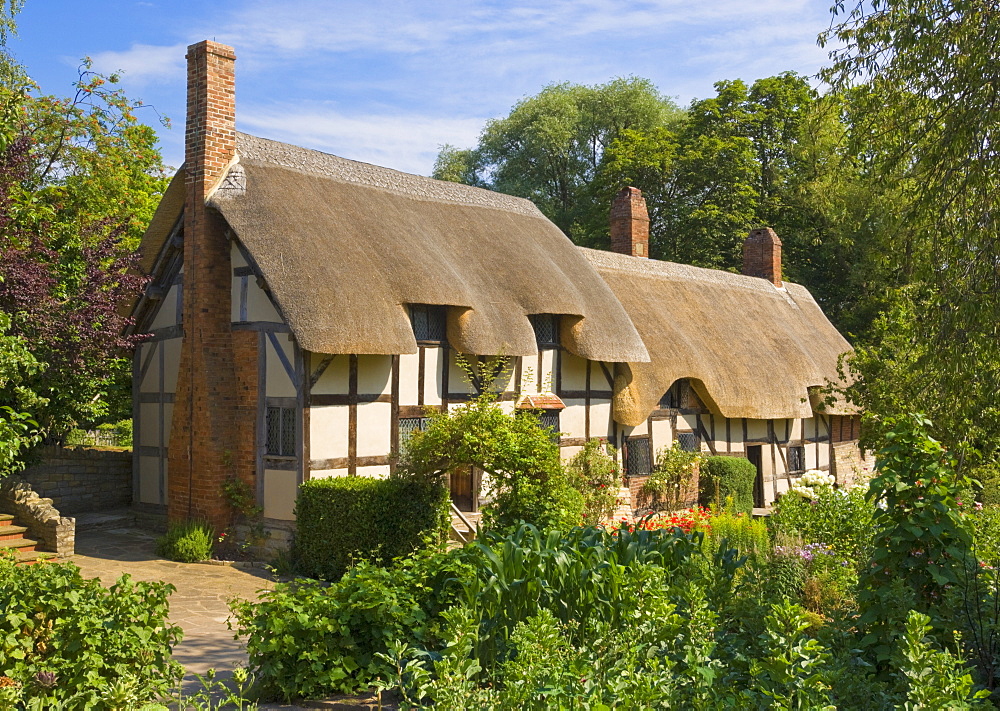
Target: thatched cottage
307,310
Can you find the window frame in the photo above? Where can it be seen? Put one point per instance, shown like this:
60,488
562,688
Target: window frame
288,430
538,323
640,443
435,317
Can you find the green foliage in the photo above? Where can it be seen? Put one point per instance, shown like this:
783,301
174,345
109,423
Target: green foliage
920,539
671,477
725,478
73,644
18,431
837,517
307,639
518,454
186,542
594,472
897,59
790,674
343,520
933,679
746,534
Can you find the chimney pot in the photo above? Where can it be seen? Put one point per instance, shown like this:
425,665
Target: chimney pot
630,223
762,255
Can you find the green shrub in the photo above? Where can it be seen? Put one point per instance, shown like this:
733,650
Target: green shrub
725,478
988,476
671,477
308,639
837,517
71,641
186,542
342,520
746,534
594,472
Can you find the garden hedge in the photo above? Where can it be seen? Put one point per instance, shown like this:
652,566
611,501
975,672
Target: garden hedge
725,477
344,519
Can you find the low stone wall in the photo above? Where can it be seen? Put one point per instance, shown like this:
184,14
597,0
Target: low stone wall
851,465
54,533
82,479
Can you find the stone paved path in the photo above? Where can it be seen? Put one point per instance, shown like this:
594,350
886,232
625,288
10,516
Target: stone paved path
200,604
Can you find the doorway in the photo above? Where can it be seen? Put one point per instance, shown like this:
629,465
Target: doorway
464,486
755,458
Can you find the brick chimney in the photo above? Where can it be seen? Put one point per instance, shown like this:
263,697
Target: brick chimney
630,223
762,255
208,440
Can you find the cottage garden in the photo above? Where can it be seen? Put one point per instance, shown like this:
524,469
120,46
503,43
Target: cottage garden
879,596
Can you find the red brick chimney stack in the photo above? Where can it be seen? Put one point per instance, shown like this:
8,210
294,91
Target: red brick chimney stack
762,255
630,223
207,443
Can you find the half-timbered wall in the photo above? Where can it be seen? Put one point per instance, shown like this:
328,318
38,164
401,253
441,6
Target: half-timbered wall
154,370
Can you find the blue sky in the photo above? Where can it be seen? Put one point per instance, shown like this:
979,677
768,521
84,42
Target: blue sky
389,82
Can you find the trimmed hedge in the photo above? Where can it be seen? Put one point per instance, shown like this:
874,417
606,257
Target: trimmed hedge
341,520
724,477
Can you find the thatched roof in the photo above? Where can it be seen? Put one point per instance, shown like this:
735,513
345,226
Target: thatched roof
750,349
345,246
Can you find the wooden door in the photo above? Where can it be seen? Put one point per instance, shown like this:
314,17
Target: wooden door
754,455
462,487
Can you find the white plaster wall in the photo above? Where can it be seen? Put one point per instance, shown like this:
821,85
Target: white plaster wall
259,304
149,480
547,380
236,256
166,314
687,422
601,424
335,379
458,381
567,453
574,372
278,382
573,420
375,374
151,382
328,432
409,370
149,424
374,426
663,436
377,472
280,491
433,370
327,473
756,429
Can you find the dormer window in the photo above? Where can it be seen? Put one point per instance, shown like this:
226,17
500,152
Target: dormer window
546,328
429,323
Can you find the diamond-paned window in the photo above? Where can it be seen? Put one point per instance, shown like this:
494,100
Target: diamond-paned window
280,428
796,459
409,425
689,441
672,398
638,461
546,328
429,322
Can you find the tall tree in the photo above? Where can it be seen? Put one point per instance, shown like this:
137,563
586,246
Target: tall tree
79,180
927,86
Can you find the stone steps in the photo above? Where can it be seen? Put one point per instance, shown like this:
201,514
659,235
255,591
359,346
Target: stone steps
12,540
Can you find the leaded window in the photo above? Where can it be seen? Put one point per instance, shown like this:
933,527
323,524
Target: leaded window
546,328
689,441
549,419
409,425
429,322
796,459
638,459
280,425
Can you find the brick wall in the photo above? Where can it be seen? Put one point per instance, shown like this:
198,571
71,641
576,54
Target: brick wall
630,223
762,255
212,434
80,480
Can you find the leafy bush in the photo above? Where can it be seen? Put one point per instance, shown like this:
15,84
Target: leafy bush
594,472
671,478
342,520
836,517
725,478
746,534
308,639
186,542
66,640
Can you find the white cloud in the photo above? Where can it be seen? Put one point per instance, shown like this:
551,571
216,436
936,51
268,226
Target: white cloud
404,142
141,64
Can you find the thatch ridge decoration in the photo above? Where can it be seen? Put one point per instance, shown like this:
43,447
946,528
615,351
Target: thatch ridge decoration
345,247
750,349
